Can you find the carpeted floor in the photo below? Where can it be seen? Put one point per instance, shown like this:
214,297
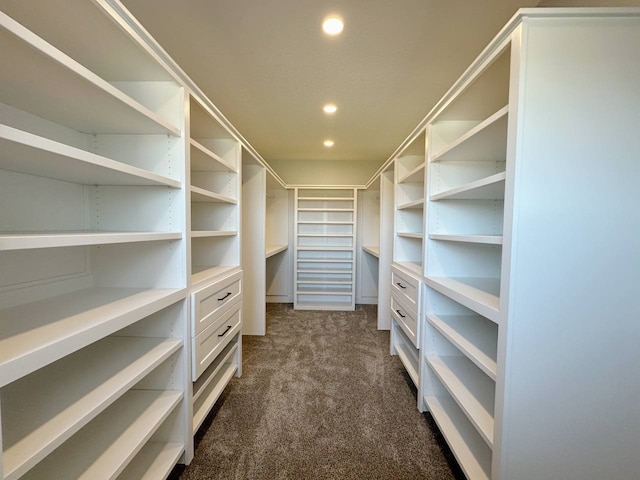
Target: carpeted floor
320,398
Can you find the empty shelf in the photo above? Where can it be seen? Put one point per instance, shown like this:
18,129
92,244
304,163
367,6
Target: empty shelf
39,333
479,294
25,241
27,153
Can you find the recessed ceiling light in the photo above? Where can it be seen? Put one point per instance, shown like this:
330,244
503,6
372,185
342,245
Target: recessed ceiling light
330,108
328,143
332,25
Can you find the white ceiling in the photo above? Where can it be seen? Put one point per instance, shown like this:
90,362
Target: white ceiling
269,68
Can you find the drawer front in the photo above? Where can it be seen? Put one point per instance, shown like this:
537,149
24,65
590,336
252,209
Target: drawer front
209,343
211,301
407,320
406,289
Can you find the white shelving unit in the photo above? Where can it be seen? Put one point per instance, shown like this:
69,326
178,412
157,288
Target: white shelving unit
409,206
93,330
325,248
279,236
516,246
215,166
405,279
215,172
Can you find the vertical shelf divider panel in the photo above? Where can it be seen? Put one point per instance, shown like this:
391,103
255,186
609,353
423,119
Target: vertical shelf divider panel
254,185
325,248
387,198
94,359
368,244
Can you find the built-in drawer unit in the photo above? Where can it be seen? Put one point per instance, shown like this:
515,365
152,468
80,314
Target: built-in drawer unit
211,301
406,319
208,344
406,289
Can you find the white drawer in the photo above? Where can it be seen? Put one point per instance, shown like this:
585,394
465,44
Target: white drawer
209,343
211,301
407,319
406,289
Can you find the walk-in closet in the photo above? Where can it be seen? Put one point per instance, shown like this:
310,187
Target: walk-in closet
234,245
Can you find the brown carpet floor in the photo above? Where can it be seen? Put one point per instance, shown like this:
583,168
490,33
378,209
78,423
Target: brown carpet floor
320,398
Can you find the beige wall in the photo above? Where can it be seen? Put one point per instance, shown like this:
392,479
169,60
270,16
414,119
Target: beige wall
325,172
589,3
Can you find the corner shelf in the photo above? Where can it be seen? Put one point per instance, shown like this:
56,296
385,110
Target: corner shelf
272,250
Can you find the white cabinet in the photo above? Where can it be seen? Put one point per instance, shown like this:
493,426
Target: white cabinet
526,360
93,278
325,247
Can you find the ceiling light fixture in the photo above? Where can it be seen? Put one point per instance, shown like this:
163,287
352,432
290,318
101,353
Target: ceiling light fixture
328,143
330,108
332,25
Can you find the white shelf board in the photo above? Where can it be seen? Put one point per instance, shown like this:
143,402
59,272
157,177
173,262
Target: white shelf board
204,160
418,236
325,209
488,188
473,455
331,199
325,282
374,251
211,392
325,248
205,196
324,260
213,233
112,439
473,335
325,271
34,155
473,391
39,333
409,361
272,250
68,394
71,94
326,235
414,176
203,273
26,241
323,222
415,205
155,461
411,267
328,306
479,294
485,142
322,291
482,239
209,375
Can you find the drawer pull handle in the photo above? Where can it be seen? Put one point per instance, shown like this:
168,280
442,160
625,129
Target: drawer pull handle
225,332
220,299
400,313
401,285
